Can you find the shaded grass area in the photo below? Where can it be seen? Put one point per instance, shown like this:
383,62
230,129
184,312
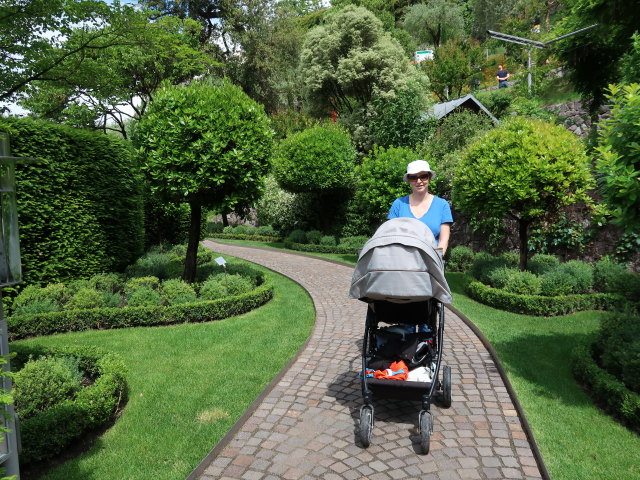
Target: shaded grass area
188,385
577,440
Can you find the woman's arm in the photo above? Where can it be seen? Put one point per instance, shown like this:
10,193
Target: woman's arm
443,241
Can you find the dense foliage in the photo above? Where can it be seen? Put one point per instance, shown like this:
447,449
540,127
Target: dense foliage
79,204
525,170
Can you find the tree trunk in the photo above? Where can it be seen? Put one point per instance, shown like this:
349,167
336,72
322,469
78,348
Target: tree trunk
524,242
225,220
189,274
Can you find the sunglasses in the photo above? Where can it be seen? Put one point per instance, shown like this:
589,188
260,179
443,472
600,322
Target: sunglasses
424,176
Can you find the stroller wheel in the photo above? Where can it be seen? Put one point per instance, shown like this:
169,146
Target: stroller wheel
426,427
366,425
446,386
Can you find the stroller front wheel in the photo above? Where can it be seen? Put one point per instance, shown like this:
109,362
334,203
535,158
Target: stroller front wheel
366,425
426,427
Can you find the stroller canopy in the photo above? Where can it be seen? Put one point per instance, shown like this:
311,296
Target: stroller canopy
400,264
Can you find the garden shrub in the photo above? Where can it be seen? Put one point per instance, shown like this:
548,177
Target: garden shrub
314,237
239,229
141,282
86,298
175,291
328,240
496,101
354,242
154,264
34,299
513,280
627,284
606,275
234,283
228,229
143,297
484,263
619,348
45,382
460,259
266,231
212,289
214,227
297,236
283,210
48,433
582,273
557,282
106,282
82,199
542,263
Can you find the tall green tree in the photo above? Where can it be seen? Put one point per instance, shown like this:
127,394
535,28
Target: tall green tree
349,60
33,38
115,84
618,161
435,22
455,66
525,170
593,59
204,145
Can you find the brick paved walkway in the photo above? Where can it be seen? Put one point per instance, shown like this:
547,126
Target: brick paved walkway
305,427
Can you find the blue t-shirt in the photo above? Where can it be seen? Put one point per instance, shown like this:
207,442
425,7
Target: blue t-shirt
439,212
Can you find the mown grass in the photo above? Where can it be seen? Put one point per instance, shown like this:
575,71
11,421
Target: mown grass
577,440
188,385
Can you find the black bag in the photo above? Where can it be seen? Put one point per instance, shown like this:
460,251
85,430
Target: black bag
412,348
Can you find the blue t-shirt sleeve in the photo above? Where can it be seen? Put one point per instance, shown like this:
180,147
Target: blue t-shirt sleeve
447,217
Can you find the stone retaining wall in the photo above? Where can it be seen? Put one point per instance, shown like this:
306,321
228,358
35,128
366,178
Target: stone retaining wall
575,116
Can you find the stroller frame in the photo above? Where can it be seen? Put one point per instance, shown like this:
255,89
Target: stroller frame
430,312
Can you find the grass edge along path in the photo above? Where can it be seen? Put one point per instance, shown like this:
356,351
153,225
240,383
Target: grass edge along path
188,385
578,441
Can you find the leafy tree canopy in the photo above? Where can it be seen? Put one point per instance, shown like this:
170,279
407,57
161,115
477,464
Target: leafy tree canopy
435,22
618,162
351,59
525,170
455,66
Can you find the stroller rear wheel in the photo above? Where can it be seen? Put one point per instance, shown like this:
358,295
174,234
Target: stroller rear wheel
446,386
366,425
426,427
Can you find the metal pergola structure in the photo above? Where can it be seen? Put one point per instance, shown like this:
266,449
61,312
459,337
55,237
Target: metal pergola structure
533,44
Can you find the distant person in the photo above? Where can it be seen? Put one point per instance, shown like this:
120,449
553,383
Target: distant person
502,77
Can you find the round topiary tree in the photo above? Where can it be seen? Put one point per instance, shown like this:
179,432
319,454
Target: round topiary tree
320,161
526,170
206,145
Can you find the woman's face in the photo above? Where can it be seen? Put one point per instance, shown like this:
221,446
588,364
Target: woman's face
419,181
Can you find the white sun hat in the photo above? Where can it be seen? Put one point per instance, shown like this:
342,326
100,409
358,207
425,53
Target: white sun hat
417,167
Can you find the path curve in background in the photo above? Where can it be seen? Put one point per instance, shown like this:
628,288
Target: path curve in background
304,426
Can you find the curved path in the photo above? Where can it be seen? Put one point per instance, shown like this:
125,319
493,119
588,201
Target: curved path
305,425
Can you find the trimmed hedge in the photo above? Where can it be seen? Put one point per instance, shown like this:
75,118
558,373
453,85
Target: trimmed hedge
80,206
607,390
246,236
48,433
308,247
540,305
24,326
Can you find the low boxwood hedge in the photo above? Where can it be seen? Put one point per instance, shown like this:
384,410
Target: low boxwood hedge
246,236
540,305
48,433
606,389
33,325
309,247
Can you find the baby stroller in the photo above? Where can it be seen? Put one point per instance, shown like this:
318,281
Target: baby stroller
400,274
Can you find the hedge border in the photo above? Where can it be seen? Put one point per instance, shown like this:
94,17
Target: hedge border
245,236
47,434
314,248
605,388
35,325
539,305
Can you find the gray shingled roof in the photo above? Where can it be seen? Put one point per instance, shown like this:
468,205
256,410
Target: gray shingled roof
441,110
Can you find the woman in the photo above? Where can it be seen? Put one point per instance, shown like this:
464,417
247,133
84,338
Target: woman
431,210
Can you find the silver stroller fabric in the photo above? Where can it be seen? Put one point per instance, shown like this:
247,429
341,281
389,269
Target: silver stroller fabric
400,264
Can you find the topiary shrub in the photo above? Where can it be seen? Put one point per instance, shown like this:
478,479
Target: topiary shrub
234,283
214,227
267,231
314,237
606,274
34,299
143,297
212,289
228,229
354,242
139,282
513,280
297,236
542,263
484,263
175,291
45,382
106,282
557,282
86,298
460,259
627,284
329,240
239,230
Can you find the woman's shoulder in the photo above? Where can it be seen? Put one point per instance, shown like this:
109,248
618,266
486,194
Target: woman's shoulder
404,199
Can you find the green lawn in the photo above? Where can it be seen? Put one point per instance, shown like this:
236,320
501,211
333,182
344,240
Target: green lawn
188,384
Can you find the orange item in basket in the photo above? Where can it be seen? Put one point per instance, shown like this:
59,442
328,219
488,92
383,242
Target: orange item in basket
396,371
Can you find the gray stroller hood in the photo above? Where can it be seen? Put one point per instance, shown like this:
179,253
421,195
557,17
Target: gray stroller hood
400,264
